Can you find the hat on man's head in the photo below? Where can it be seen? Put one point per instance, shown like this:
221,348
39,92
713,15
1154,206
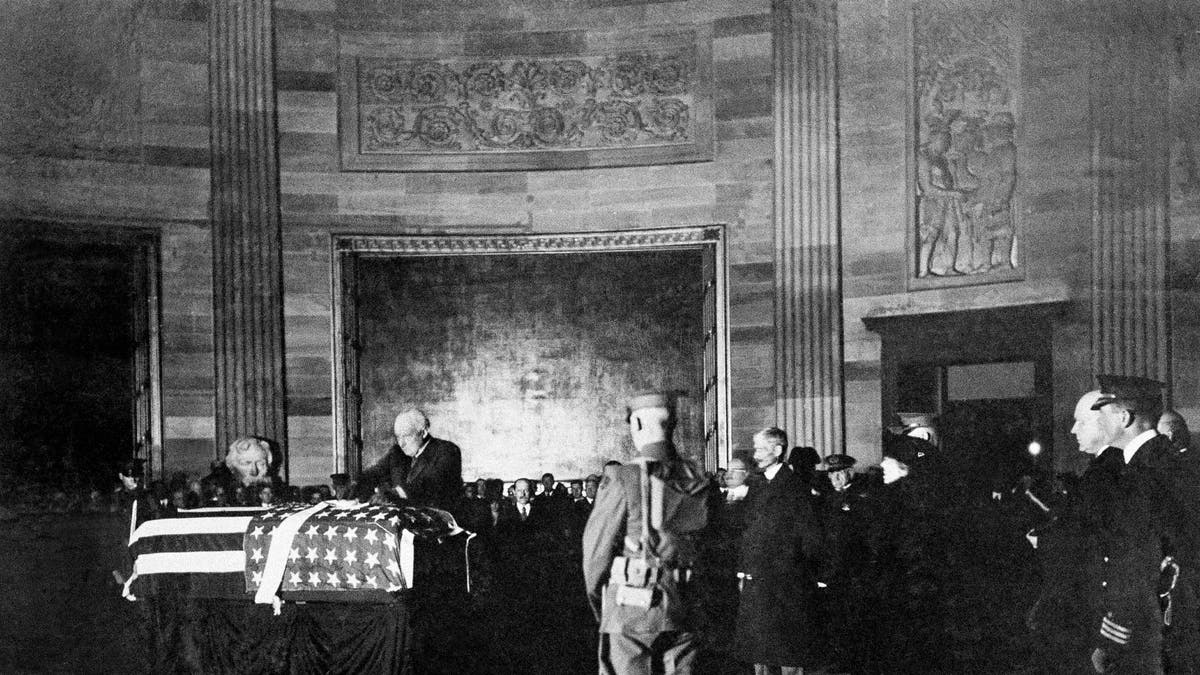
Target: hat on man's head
339,479
133,467
911,420
907,449
804,455
1141,394
839,462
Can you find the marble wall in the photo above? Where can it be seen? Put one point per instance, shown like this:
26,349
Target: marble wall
110,127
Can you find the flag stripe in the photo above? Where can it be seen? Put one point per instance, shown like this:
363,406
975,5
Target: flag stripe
190,561
205,510
194,525
189,542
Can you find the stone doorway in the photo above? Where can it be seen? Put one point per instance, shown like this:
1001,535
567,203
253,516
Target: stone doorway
987,377
79,382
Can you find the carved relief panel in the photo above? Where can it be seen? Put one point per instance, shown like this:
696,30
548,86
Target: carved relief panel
612,99
964,127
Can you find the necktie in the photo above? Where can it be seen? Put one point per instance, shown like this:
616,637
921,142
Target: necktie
524,511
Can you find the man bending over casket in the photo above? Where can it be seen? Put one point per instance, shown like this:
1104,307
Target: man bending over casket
424,470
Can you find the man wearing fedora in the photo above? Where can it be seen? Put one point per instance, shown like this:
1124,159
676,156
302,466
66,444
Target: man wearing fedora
917,425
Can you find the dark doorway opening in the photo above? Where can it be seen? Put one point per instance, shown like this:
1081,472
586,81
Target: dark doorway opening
992,418
75,354
986,377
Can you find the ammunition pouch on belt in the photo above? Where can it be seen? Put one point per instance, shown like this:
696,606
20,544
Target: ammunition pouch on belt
637,580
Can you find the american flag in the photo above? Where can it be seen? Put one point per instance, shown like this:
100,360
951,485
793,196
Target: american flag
357,553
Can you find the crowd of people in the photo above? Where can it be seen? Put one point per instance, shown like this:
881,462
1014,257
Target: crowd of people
787,560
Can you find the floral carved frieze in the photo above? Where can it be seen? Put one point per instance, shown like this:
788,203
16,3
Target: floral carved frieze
629,100
966,118
544,243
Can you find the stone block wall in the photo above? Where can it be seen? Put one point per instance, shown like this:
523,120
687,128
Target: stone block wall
105,120
1056,188
319,199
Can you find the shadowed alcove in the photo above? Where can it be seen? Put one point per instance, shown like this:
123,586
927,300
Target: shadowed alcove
526,358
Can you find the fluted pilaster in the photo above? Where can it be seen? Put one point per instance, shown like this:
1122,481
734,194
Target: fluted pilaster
1130,236
246,239
808,316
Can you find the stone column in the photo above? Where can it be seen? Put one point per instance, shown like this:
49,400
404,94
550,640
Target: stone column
246,238
1130,235
808,292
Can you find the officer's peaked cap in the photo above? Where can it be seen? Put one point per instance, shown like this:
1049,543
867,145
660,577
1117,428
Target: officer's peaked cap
1141,393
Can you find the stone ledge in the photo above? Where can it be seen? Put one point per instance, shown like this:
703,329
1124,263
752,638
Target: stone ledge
961,299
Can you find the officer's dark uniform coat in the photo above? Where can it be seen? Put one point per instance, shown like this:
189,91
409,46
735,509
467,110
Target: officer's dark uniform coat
1131,506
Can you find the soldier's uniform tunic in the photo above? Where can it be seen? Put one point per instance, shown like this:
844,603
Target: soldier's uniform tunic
634,638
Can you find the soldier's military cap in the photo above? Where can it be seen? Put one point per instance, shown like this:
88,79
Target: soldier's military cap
839,462
1140,393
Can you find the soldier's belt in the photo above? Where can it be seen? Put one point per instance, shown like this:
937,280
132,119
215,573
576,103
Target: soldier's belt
641,573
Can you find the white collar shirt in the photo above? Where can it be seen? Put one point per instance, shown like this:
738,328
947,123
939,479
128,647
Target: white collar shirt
1138,441
771,471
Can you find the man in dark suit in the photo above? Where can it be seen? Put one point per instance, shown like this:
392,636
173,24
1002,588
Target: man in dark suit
526,517
776,625
424,470
1172,425
1182,638
1140,522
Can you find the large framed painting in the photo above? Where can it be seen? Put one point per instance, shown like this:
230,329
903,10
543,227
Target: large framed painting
525,349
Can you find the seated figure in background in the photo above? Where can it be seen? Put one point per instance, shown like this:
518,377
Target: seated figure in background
249,465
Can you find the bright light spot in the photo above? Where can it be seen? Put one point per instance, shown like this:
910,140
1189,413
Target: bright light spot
1035,448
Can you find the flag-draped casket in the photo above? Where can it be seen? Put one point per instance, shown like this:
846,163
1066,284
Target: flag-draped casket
362,553
344,583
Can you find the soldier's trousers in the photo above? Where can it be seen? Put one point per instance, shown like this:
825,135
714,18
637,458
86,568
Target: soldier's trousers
671,653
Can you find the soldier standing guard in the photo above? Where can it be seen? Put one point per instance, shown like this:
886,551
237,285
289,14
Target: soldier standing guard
639,547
